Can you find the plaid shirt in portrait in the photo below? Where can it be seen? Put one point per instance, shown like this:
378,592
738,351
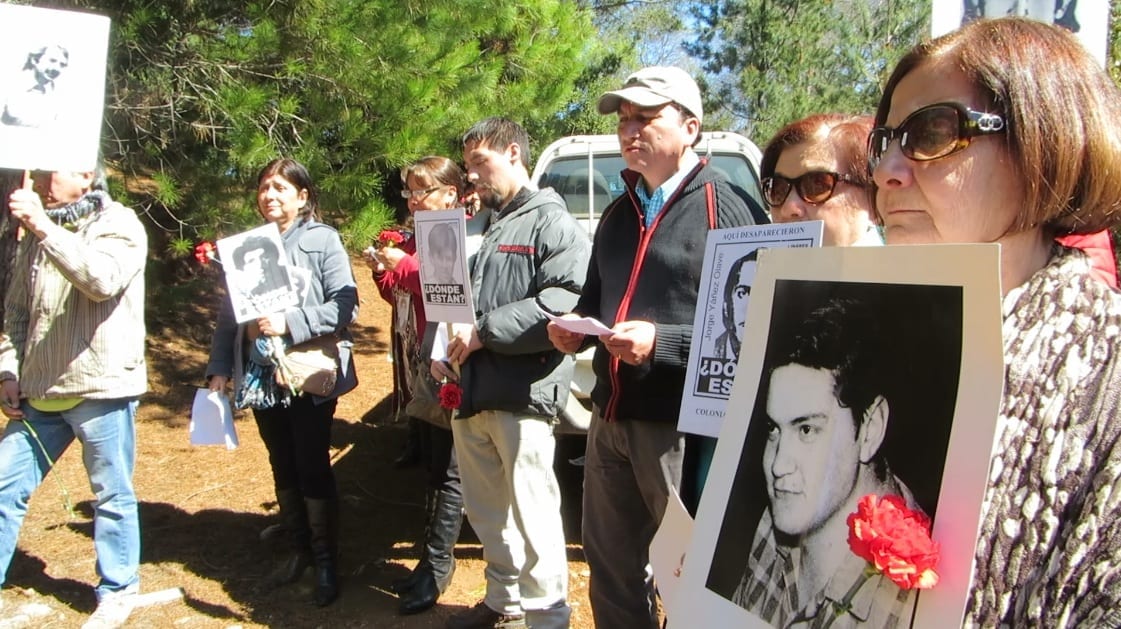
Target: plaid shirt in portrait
769,590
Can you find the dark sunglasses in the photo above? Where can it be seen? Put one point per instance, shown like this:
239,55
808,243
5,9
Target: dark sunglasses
933,132
814,187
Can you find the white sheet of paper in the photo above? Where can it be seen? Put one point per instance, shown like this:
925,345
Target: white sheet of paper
440,343
583,325
212,420
667,550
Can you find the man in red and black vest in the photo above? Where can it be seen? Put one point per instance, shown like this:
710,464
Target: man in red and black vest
643,280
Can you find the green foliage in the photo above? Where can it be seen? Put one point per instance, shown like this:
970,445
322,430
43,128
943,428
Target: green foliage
203,93
780,60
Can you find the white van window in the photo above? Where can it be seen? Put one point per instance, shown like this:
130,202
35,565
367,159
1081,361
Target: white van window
569,177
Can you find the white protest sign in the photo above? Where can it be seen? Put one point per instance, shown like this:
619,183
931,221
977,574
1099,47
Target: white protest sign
912,334
52,88
257,273
718,325
441,237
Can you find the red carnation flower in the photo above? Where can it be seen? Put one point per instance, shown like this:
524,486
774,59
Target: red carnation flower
389,238
204,252
450,395
896,540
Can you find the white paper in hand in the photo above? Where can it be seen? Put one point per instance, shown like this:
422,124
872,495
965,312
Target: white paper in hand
212,420
583,325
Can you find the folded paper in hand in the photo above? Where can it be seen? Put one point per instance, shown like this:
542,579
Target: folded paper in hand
583,325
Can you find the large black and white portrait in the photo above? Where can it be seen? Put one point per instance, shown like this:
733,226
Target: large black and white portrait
863,371
857,397
52,86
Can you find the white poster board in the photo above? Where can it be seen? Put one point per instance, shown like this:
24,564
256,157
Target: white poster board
52,88
934,315
257,273
1088,19
441,242
726,279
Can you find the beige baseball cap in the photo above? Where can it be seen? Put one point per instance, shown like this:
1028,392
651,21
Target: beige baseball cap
654,86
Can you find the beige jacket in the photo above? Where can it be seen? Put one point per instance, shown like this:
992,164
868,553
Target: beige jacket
74,312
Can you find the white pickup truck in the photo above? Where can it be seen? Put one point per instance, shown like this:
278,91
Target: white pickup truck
585,170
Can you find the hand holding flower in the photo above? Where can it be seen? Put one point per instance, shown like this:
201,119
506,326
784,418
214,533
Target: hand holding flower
390,238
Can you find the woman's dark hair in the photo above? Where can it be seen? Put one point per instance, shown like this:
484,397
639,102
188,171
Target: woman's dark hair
440,170
294,173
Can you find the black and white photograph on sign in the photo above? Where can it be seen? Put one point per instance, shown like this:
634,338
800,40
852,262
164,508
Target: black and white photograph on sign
257,273
856,390
52,87
1088,19
857,397
718,324
441,237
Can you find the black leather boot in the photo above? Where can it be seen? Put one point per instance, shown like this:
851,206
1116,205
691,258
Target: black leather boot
293,515
408,582
323,516
443,532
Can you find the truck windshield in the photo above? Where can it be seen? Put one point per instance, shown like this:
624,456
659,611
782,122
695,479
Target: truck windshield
569,177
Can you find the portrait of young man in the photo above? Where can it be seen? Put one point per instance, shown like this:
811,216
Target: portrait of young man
853,391
737,290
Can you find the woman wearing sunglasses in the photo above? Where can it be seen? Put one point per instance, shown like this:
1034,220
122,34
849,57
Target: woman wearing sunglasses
816,169
430,183
1006,131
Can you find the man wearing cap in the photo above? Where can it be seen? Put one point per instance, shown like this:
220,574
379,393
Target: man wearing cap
73,367
643,279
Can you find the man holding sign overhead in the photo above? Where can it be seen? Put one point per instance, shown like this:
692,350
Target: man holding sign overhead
74,366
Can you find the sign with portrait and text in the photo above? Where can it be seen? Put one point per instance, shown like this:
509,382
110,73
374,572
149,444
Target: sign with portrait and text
718,324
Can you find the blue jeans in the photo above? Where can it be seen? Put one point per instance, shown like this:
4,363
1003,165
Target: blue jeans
108,436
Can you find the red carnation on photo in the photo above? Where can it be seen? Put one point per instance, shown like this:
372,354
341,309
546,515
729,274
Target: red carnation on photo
389,238
896,540
204,252
450,395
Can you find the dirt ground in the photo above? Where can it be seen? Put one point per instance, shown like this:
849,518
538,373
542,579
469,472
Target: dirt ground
203,507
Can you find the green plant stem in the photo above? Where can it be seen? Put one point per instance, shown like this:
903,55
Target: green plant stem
845,605
61,487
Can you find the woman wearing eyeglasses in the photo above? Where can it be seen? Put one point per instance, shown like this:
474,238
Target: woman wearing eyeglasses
816,169
1006,131
430,183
